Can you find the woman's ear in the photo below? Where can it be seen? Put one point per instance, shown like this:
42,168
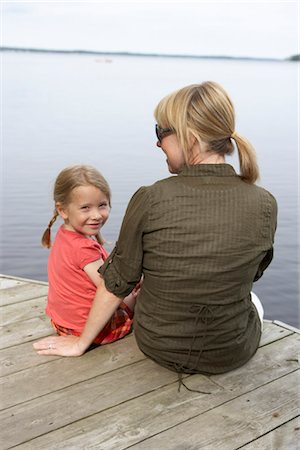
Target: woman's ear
61,210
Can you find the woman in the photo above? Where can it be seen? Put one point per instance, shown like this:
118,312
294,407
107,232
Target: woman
199,239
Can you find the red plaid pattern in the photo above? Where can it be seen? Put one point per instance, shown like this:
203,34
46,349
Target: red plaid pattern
119,325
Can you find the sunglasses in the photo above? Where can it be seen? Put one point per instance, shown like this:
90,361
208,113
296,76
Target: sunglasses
162,132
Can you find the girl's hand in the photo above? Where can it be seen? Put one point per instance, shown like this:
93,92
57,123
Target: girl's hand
59,345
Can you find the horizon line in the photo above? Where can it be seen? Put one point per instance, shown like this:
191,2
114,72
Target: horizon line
152,54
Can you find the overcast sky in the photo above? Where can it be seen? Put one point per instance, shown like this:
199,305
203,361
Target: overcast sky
233,28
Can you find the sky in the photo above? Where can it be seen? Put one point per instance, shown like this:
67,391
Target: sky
263,29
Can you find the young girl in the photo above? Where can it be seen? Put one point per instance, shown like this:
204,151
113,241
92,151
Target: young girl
82,199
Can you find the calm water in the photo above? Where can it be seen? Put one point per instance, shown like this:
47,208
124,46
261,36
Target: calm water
60,110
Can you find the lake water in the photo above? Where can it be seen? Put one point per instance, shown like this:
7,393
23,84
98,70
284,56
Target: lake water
60,110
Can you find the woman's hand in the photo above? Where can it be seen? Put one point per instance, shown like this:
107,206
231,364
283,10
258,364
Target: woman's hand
59,345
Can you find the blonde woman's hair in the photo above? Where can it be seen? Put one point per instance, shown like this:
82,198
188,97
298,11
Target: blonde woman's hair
69,179
205,112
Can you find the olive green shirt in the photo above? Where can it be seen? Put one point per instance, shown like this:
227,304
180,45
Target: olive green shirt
200,239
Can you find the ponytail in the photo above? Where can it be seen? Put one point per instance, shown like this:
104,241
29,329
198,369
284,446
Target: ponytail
247,157
46,238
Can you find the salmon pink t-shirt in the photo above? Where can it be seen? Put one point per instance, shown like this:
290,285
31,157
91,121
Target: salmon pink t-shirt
71,291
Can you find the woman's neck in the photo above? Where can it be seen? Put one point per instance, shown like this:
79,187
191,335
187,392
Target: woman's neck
207,158
200,155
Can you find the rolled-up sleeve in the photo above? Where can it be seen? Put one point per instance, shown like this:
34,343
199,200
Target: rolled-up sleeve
264,264
268,231
123,268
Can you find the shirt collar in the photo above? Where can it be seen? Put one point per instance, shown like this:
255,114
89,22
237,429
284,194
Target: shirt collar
210,170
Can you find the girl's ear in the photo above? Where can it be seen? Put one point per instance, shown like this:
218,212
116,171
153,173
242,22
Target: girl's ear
61,210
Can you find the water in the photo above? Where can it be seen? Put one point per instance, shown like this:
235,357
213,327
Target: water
60,110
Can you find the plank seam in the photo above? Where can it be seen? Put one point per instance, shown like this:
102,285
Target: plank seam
23,301
61,357
268,432
286,326
280,338
28,280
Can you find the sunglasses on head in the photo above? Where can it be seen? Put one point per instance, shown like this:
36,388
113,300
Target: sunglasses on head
162,132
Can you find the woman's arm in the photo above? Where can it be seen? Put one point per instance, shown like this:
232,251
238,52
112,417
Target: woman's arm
104,305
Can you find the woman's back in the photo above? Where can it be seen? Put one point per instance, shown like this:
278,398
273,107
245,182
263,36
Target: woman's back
205,235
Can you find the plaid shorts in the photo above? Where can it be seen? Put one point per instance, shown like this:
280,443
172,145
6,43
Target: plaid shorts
119,326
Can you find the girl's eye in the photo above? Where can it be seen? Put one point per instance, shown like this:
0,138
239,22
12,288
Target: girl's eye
85,207
103,205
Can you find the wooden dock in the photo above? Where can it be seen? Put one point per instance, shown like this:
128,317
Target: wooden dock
113,397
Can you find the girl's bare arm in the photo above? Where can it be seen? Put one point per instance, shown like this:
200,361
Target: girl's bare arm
104,305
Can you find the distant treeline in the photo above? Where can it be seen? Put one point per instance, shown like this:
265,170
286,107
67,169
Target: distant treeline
294,58
159,55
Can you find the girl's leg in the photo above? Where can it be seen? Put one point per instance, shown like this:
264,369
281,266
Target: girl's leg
119,326
63,331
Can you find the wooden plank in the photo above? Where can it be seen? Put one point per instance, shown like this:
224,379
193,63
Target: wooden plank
55,410
286,326
22,292
272,332
20,357
23,311
28,330
280,357
26,280
236,422
286,437
6,283
75,370
142,416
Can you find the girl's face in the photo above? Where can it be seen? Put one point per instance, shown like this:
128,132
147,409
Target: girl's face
86,212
